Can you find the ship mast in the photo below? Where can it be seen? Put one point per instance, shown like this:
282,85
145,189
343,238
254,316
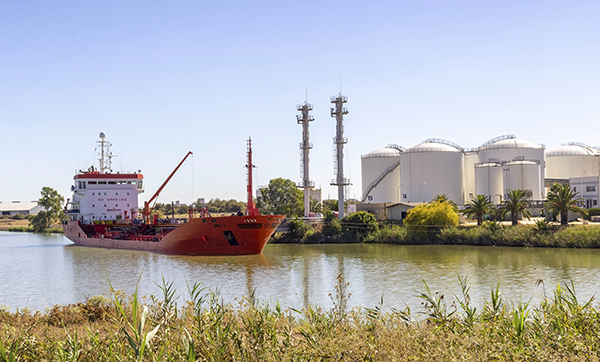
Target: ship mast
251,210
106,156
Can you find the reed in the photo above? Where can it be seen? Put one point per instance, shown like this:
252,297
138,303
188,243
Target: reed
205,328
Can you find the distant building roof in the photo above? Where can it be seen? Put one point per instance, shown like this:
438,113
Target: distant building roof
18,205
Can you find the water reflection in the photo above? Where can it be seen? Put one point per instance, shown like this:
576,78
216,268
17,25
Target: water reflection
38,271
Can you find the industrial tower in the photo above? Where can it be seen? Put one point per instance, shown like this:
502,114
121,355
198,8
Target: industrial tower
305,146
340,181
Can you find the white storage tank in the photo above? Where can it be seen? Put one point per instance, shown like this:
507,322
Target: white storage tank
430,168
524,175
508,148
489,181
381,175
470,160
572,159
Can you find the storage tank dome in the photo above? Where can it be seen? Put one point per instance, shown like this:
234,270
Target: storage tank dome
525,159
384,152
572,149
572,159
435,145
381,175
510,143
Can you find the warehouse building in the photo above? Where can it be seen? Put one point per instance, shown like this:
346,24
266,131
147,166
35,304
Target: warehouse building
18,207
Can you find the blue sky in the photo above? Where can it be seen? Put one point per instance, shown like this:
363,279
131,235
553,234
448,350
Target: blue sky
164,78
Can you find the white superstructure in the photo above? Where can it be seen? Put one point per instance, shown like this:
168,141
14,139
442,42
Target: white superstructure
100,196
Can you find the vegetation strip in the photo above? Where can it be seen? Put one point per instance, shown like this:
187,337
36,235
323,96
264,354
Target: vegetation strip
205,328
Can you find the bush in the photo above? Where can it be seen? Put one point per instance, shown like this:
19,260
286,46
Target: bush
332,228
425,221
296,232
432,214
392,234
592,212
356,226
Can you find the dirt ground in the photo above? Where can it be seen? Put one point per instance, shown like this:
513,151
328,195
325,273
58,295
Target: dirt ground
7,223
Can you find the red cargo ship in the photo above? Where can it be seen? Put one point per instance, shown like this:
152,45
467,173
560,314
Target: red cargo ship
104,213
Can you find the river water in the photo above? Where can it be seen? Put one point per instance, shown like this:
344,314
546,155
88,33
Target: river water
38,271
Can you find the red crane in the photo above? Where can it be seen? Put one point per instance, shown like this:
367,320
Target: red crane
147,209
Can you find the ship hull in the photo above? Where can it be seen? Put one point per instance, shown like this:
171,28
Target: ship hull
231,235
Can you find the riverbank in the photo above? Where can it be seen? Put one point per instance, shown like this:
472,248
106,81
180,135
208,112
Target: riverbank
6,224
537,234
23,226
452,328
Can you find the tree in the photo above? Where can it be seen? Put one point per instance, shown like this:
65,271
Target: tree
330,205
357,225
281,197
432,214
224,206
51,202
516,203
332,228
316,206
478,207
560,200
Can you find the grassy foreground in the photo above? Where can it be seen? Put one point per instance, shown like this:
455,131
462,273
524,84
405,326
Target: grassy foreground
207,329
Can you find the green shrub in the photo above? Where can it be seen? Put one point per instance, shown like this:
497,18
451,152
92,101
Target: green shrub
356,226
392,234
332,228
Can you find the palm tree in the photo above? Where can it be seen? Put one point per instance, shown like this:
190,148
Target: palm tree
478,207
516,202
444,198
560,200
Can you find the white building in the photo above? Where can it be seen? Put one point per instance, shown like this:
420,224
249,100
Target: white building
587,189
18,207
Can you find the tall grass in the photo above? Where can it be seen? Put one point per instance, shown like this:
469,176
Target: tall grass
207,329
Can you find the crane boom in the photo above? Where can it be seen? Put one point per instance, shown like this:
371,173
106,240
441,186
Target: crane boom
147,208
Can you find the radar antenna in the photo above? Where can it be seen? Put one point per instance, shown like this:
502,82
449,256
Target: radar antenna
106,156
